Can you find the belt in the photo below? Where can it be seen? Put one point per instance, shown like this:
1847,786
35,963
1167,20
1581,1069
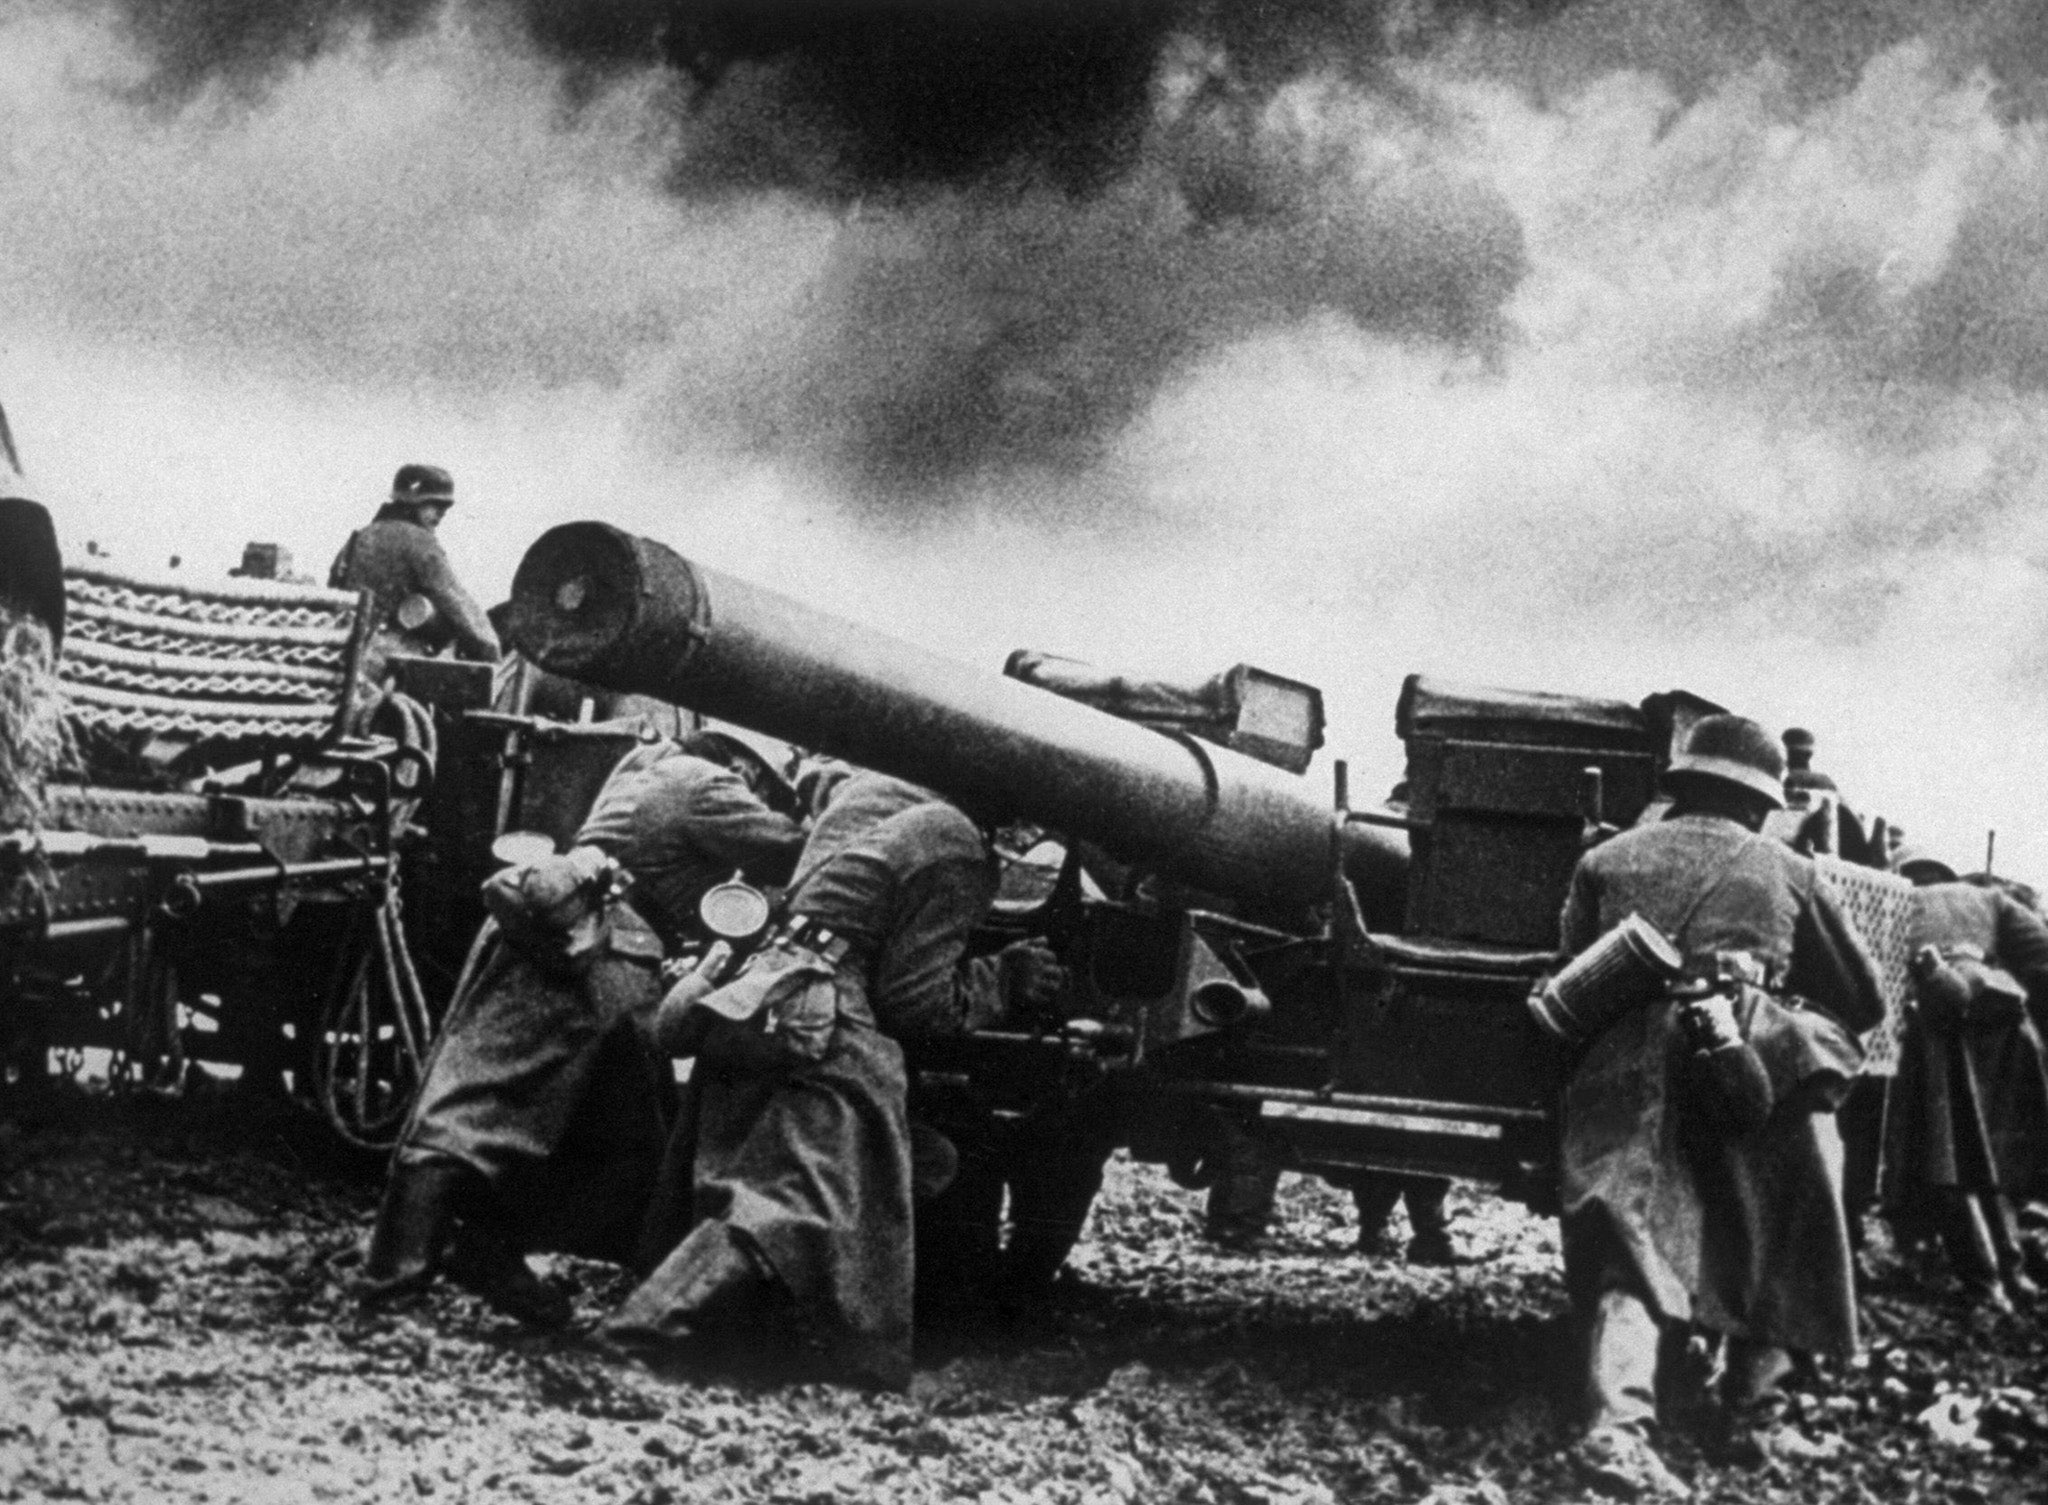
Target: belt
802,930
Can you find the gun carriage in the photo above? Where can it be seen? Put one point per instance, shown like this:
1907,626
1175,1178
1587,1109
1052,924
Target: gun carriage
1249,953
214,879
247,860
524,757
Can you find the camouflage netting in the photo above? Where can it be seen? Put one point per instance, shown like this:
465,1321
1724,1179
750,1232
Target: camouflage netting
225,659
1880,906
35,738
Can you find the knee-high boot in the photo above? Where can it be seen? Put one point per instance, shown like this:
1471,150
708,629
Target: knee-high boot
414,1223
707,1282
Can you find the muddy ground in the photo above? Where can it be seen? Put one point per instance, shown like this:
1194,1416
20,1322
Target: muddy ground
175,1325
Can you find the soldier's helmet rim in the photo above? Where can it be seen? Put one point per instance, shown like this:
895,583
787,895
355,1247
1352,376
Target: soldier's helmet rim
1911,856
1734,750
423,485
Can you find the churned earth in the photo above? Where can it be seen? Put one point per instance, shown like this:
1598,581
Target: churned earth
175,1325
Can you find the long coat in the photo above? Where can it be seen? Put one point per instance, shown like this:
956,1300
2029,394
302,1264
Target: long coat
812,1165
1969,1106
395,557
1742,1234
680,824
550,1085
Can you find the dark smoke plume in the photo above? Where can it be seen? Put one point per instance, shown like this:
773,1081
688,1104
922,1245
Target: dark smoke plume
1053,207
1037,239
853,96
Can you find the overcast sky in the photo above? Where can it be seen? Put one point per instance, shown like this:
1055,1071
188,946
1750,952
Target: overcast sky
1638,347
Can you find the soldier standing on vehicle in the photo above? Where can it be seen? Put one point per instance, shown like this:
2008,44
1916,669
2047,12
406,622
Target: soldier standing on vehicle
788,1192
1967,1130
545,1110
1689,1199
421,608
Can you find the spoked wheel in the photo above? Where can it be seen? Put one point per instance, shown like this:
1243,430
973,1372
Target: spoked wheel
375,1031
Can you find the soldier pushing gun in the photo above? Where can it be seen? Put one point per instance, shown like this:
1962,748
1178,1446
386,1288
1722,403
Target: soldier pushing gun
545,1109
789,1189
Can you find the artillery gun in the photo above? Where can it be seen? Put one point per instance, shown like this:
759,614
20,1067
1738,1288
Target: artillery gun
251,857
211,875
1346,984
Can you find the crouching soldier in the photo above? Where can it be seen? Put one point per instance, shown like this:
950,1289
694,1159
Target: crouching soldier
1967,1131
787,1197
1701,1164
545,1109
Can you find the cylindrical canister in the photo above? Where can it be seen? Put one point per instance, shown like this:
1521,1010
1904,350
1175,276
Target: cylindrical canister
1629,966
734,911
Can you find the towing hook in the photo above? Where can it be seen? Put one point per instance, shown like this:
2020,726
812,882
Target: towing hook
181,898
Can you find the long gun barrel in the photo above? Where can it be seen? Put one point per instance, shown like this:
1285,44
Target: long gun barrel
626,613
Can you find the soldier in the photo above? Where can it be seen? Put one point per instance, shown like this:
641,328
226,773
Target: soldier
1686,1203
1244,1187
1246,1183
544,1113
789,1183
421,607
1429,1226
1967,1133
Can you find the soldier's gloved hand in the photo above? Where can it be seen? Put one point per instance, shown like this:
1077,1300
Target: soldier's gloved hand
1711,1021
1030,976
674,1030
556,909
1996,998
1732,1076
1941,989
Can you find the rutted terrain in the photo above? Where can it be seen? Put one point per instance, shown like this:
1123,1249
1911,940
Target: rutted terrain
175,1324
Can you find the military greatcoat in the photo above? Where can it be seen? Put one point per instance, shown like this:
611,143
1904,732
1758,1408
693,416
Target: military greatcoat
395,558
812,1167
547,1083
1743,1234
1969,1107
680,824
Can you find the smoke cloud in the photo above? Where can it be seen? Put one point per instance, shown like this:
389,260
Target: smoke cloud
1049,206
1607,346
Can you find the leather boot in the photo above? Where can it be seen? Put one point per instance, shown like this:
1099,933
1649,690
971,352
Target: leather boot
1429,1225
1374,1196
1972,1251
414,1222
1240,1205
707,1282
490,1268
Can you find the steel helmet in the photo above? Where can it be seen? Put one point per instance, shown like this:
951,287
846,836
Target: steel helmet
423,484
1915,861
1736,751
